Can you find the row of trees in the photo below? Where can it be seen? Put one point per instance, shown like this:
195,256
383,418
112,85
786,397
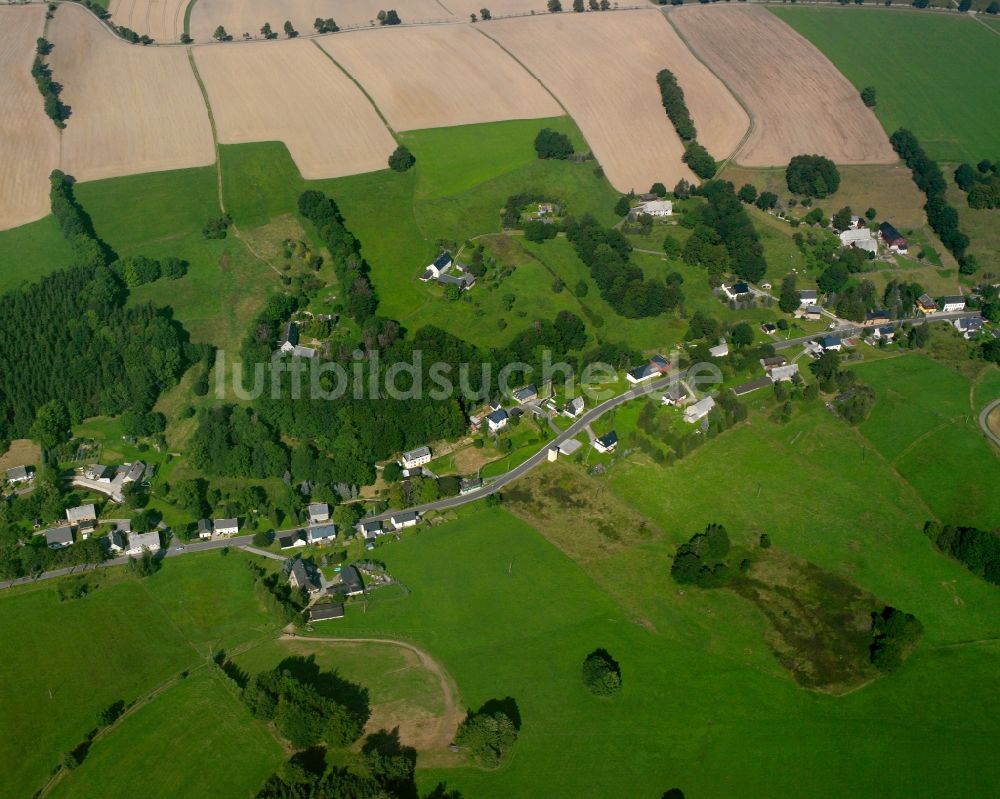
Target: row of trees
137,270
672,97
50,90
622,284
978,549
941,216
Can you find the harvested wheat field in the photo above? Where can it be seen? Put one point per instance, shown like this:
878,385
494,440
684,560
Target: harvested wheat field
615,99
133,109
290,91
163,20
441,75
28,139
247,16
800,102
499,8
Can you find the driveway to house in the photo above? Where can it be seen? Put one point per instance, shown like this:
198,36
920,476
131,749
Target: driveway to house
984,423
112,491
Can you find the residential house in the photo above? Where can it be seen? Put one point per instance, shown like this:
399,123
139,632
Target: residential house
952,304
699,410
753,385
298,351
886,333
350,582
808,297
416,457
289,338
735,291
470,484
116,542
321,533
370,528
18,474
303,576
833,343
676,396
58,537
860,239
84,518
648,197
770,362
442,262
99,473
768,328
893,238
569,446
319,512
326,611
877,318
607,442
787,372
525,394
205,528
926,305
812,312
969,326
574,407
404,518
658,208
720,350
226,527
656,366
465,280
142,542
133,472
293,540
497,420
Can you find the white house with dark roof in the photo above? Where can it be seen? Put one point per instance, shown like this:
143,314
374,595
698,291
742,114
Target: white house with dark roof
735,290
321,533
350,582
952,304
100,473
607,442
370,528
574,407
133,472
969,326
225,527
654,367
289,338
18,474
58,537
82,514
525,393
319,512
404,518
808,297
831,343
303,575
205,528
497,420
698,411
326,611
751,386
143,542
116,542
293,540
416,457
437,266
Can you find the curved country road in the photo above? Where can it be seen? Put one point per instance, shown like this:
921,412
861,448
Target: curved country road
984,417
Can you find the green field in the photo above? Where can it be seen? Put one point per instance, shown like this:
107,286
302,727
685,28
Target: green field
196,739
713,719
66,661
32,251
932,72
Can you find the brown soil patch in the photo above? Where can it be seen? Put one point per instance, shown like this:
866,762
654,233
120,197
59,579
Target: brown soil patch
22,452
993,421
423,732
163,20
133,109
441,76
30,140
290,91
603,68
800,102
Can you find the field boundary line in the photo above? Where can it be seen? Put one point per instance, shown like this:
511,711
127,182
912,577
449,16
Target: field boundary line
736,95
891,466
361,88
211,121
541,83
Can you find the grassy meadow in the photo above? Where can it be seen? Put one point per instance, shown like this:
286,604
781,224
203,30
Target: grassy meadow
932,72
30,252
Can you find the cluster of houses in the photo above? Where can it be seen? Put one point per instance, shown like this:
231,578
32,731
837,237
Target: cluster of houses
370,529
776,370
118,475
497,417
448,272
305,576
859,236
218,528
319,531
81,523
651,205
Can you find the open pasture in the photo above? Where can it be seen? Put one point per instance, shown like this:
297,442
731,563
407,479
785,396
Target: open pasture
799,101
932,72
247,16
133,109
440,76
30,139
162,20
290,91
616,101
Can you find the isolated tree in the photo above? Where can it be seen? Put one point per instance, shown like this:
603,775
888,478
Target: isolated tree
552,144
221,35
965,5
870,214
472,17
52,424
658,189
868,96
747,193
266,31
601,673
671,246
623,206
554,6
290,32
391,17
593,5
812,175
578,6
742,335
401,159
485,15
765,541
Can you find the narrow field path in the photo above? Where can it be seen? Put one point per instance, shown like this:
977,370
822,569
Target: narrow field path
984,421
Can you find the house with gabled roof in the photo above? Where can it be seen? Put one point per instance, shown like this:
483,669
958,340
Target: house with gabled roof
142,542
205,528
303,575
808,297
926,304
497,420
969,326
654,367
59,536
788,371
404,518
416,457
952,304
607,442
834,343
81,513
370,528
525,393
293,540
574,407
437,266
893,238
226,527
350,582
18,474
321,533
733,291
751,386
319,512
326,611
699,410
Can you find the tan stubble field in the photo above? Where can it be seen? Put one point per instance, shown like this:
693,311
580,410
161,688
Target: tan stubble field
439,76
799,101
291,91
29,139
163,20
602,67
133,109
